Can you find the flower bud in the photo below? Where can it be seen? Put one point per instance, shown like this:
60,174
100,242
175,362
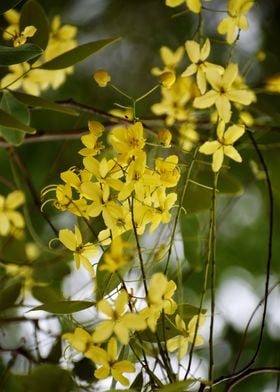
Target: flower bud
164,137
167,79
102,77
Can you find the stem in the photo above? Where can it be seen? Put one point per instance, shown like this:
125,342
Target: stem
213,279
179,209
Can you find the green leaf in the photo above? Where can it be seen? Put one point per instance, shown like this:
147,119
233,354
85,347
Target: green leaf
64,307
11,105
178,386
49,377
32,14
10,55
46,294
84,369
38,102
77,54
138,382
9,294
55,353
105,282
7,5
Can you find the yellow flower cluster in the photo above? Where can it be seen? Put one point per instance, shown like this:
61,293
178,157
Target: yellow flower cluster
33,81
122,321
124,190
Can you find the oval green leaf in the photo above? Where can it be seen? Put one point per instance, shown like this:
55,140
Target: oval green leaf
11,105
178,386
77,54
10,55
33,14
9,294
64,307
106,282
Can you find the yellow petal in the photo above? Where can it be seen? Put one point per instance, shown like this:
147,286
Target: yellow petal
68,239
223,106
209,148
190,70
240,96
205,50
103,331
193,50
206,100
122,332
15,199
233,133
218,158
201,80
194,6
104,307
102,372
121,302
229,75
232,153
173,3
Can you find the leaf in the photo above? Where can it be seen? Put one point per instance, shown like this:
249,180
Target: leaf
7,5
55,352
64,307
77,54
33,14
178,386
84,369
49,377
105,282
46,294
138,382
10,55
11,105
38,102
9,294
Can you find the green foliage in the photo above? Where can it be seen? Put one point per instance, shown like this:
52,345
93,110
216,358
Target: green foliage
11,105
9,293
64,307
76,55
8,4
9,55
33,14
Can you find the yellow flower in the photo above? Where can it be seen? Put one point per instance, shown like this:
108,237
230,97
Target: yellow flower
105,172
10,219
160,210
174,100
80,339
120,321
236,19
159,298
74,242
181,342
188,136
223,92
167,79
28,32
109,363
224,145
193,5
170,59
199,66
12,32
128,140
168,171
90,140
164,137
102,78
115,258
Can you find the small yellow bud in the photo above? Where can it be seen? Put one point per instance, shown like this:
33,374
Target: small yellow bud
164,137
167,79
102,77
